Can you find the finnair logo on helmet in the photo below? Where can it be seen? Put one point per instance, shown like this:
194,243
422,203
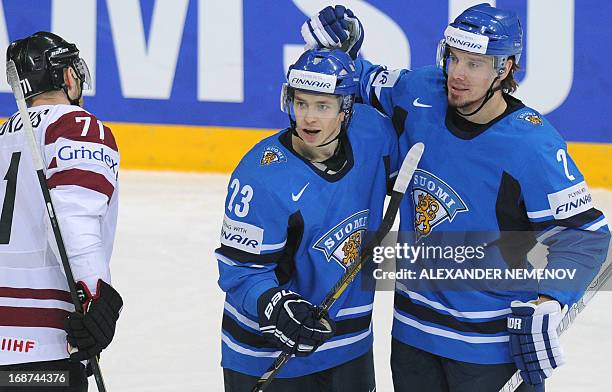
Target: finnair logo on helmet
465,40
312,81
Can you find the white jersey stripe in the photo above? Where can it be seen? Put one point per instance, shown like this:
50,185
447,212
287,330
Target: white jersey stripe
269,247
267,354
241,318
36,303
449,334
597,225
539,214
549,233
243,350
454,312
355,310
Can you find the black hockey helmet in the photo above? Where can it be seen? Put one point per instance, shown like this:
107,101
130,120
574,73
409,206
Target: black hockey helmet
40,60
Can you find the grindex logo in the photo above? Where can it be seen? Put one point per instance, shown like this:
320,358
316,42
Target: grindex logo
70,152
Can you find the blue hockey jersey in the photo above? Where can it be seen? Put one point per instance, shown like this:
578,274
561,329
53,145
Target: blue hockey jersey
288,224
514,175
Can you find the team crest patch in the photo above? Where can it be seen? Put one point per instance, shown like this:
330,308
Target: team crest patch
434,202
272,154
343,242
532,117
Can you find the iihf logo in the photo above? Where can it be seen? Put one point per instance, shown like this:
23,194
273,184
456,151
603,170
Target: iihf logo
343,242
434,202
272,154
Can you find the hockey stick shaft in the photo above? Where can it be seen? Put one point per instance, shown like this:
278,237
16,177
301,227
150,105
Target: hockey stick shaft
13,79
401,184
513,383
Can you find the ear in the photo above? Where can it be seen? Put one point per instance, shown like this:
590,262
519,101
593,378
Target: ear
69,77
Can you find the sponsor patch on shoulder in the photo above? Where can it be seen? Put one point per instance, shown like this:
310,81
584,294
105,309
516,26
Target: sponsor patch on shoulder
242,236
386,78
531,117
570,201
272,154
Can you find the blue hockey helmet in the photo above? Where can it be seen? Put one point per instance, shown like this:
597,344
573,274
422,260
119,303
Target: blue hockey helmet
487,30
317,66
322,71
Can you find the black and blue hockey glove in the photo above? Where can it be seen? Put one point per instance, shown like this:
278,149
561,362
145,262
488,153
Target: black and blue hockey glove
288,321
534,343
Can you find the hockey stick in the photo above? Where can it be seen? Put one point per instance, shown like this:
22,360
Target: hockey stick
13,79
401,184
513,383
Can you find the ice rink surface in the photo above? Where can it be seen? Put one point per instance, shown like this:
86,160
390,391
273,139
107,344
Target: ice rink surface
168,337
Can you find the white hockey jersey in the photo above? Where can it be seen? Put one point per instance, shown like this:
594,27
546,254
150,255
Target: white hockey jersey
82,163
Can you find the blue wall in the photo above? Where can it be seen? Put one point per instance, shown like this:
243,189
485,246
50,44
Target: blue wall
269,26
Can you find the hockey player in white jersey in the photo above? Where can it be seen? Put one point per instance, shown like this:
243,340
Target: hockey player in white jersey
39,329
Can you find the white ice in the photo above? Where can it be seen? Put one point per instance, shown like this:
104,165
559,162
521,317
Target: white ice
168,337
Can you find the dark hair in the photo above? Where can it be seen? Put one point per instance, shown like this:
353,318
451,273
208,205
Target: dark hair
509,84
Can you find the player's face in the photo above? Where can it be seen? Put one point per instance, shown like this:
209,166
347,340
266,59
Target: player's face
469,78
317,116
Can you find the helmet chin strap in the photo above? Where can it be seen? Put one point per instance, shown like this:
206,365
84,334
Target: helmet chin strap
487,96
294,133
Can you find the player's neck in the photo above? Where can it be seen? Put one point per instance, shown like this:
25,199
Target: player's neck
313,154
490,111
51,98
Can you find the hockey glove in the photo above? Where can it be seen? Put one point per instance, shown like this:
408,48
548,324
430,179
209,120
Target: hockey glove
93,331
334,27
534,343
288,321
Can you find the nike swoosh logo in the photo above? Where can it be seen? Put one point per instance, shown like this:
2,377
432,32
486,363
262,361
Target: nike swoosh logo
297,197
420,105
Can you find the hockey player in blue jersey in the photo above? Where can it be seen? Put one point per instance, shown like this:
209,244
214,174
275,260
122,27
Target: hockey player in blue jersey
492,165
297,210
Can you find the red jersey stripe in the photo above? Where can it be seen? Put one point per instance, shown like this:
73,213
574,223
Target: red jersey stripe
32,317
28,293
83,178
69,127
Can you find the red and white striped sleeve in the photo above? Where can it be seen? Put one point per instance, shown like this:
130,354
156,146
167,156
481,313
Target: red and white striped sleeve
82,173
82,152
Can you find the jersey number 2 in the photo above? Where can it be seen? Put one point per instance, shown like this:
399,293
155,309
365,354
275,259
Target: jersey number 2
562,157
8,206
